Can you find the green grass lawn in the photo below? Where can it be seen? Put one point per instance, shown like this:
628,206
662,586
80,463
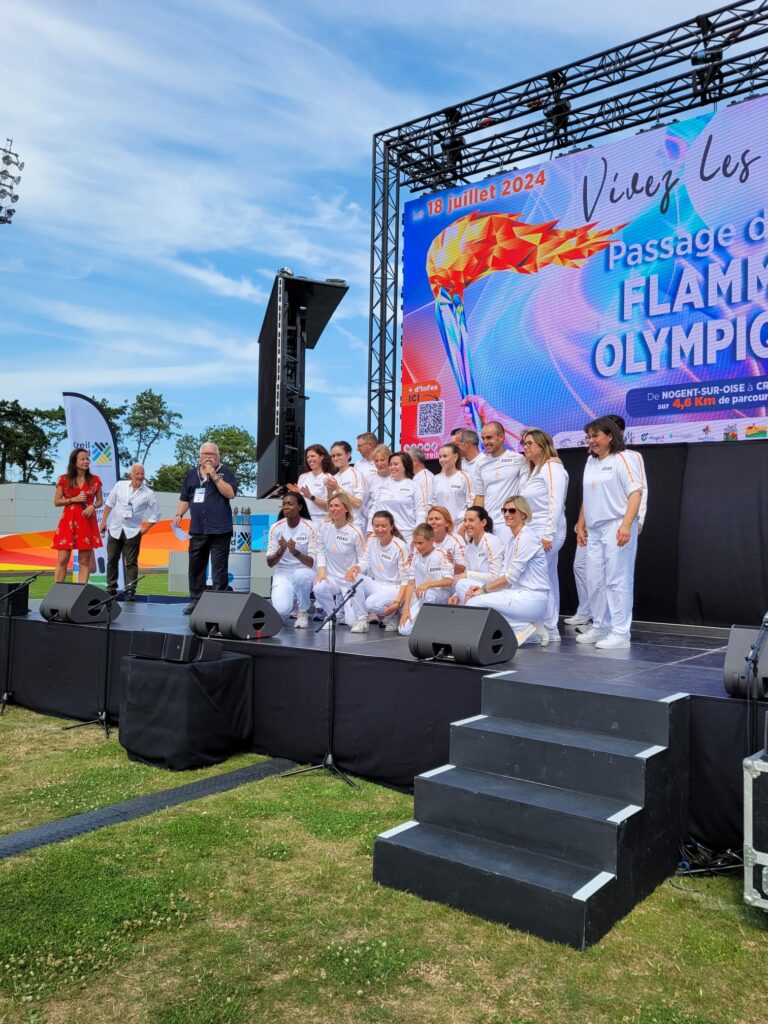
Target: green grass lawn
258,905
154,584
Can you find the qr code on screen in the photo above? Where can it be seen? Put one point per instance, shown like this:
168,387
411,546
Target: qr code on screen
431,418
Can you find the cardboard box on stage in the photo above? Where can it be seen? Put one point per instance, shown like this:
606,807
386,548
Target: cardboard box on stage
756,830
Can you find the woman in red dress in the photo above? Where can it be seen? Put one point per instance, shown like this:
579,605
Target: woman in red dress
79,494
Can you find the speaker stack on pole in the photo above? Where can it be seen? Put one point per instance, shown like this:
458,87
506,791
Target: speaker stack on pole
466,636
297,314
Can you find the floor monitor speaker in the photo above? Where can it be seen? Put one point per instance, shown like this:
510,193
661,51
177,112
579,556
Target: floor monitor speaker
235,616
77,602
470,636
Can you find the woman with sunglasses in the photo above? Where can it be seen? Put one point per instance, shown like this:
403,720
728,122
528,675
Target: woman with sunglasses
485,553
439,518
520,592
544,486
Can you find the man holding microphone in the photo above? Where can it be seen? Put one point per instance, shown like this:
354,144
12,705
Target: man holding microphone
134,511
206,493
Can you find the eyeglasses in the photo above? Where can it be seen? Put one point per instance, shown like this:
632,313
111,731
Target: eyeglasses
510,511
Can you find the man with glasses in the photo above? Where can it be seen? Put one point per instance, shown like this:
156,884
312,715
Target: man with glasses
499,473
207,492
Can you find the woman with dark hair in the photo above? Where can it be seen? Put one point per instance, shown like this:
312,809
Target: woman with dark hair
291,557
346,480
78,492
317,462
484,553
384,566
607,527
402,496
452,487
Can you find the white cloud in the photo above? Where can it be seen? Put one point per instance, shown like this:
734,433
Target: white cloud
240,288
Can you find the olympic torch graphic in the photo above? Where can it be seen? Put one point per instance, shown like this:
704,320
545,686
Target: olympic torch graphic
481,244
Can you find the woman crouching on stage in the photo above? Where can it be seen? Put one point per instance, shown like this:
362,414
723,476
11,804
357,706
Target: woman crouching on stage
291,556
439,518
430,577
608,527
485,554
340,545
520,593
79,494
545,487
385,568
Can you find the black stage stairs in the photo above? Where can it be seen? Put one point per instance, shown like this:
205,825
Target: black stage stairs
560,810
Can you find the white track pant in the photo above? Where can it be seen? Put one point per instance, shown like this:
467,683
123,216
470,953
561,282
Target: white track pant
377,595
611,578
580,576
288,587
519,607
329,588
435,595
552,613
460,587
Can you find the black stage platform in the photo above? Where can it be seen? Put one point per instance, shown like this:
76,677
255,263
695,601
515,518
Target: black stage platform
393,712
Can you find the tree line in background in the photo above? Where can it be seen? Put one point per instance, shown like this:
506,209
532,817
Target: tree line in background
30,440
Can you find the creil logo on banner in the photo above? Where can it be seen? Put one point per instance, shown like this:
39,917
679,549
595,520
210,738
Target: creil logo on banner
99,451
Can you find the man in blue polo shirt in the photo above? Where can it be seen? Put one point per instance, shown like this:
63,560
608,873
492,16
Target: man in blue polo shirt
206,492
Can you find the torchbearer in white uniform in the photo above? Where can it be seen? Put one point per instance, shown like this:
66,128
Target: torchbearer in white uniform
340,545
384,566
430,578
311,484
608,529
520,594
346,479
441,521
453,488
499,474
366,444
544,487
291,557
467,442
401,496
485,554
421,475
374,486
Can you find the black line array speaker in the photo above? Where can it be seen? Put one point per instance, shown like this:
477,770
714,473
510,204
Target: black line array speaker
740,643
173,647
77,602
471,636
235,616
19,603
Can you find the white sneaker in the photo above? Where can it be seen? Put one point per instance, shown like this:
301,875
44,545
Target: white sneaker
584,627
302,621
590,637
554,636
613,642
361,626
391,623
577,620
524,634
542,633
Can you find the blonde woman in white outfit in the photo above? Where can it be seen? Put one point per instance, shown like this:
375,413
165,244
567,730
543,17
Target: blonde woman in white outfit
374,486
452,488
311,484
607,527
544,487
485,553
340,545
429,578
291,557
439,518
384,566
520,593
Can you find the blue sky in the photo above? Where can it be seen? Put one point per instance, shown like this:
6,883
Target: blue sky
177,154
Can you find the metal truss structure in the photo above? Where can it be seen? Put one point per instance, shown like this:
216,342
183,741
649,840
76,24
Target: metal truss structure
707,59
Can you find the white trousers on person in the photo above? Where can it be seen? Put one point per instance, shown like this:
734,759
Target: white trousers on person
552,612
435,595
519,607
378,595
288,587
580,576
460,587
611,578
331,587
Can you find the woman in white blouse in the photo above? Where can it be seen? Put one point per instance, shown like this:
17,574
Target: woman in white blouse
311,483
485,553
439,518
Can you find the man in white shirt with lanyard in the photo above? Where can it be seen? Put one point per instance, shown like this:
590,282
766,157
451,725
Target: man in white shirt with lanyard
132,510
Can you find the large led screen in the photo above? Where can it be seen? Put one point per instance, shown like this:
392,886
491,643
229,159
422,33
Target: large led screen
630,278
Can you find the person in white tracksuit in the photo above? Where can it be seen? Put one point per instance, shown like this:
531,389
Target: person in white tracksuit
340,545
485,554
346,479
521,592
291,557
583,614
311,483
402,496
439,518
608,528
384,569
430,577
374,486
452,486
545,487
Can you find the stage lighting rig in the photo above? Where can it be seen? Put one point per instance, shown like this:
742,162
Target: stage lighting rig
452,146
555,107
9,181
708,79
